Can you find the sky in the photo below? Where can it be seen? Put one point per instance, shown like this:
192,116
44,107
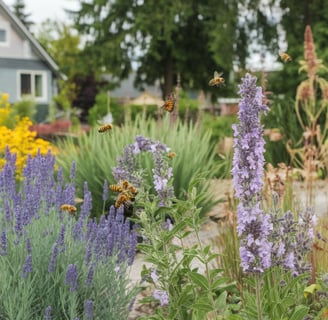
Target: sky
41,10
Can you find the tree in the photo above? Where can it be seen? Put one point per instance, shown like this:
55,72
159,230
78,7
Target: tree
78,87
19,10
167,38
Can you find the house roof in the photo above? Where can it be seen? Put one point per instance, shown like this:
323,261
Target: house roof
23,31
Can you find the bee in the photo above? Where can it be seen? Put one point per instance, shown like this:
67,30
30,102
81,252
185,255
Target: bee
285,57
69,208
105,128
217,79
133,190
122,199
171,154
115,188
170,102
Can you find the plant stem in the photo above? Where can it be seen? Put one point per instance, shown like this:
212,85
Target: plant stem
258,278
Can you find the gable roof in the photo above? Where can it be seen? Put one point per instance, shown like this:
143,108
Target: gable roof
23,31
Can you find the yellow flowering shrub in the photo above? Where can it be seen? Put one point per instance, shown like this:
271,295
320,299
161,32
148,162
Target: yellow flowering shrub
5,110
20,139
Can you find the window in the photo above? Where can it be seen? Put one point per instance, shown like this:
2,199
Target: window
32,84
4,33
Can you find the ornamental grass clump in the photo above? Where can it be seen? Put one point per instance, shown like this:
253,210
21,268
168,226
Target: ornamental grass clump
58,263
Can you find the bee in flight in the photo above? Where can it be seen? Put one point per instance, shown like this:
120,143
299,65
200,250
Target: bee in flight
69,208
105,128
170,102
171,154
217,79
285,57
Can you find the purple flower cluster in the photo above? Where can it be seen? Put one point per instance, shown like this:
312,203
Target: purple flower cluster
162,173
292,240
254,226
162,296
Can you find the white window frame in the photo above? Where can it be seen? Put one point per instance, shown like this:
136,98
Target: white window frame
33,73
6,27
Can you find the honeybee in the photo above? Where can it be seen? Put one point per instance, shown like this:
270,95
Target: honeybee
171,154
105,128
170,102
122,199
217,79
69,208
285,57
115,188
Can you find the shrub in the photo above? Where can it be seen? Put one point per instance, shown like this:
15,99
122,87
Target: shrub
57,264
23,142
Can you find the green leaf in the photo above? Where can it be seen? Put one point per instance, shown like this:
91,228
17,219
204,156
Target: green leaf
221,301
199,279
299,313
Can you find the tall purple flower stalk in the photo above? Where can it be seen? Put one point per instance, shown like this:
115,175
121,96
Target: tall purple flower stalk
254,226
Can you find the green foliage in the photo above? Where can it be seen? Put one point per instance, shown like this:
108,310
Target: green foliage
95,155
282,116
221,126
196,291
26,107
159,35
281,297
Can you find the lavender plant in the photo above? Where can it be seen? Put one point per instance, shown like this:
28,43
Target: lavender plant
56,265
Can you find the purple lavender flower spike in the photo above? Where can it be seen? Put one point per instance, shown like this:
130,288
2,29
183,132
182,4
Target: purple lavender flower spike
71,278
47,314
3,245
27,267
254,226
89,309
105,191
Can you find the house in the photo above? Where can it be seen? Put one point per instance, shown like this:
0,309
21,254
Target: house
26,69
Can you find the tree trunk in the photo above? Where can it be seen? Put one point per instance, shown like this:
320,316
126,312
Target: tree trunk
168,74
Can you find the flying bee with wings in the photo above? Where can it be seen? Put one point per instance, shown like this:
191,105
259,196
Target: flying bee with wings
285,57
105,128
217,79
169,103
69,208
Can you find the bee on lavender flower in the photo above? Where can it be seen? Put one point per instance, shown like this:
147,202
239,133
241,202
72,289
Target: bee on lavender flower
122,199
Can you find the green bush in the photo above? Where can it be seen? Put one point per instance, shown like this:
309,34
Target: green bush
95,155
25,107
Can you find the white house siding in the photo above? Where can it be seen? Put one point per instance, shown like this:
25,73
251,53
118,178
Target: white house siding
17,47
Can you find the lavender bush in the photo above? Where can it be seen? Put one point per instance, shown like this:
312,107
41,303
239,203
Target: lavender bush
55,265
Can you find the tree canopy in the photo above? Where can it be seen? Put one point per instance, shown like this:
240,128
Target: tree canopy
166,38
